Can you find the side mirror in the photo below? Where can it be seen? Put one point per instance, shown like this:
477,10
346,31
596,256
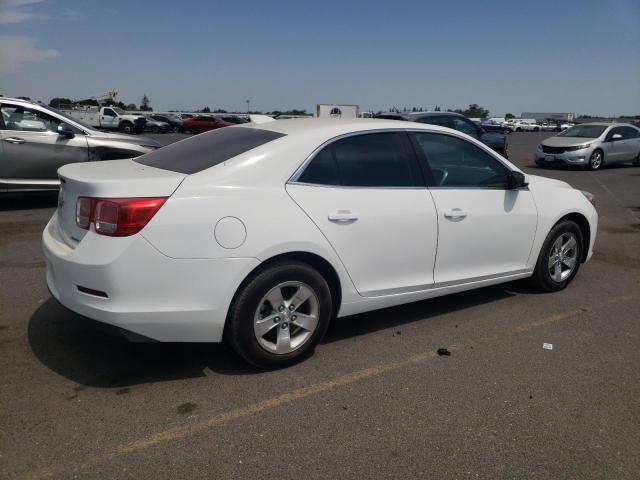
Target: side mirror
615,136
65,130
517,180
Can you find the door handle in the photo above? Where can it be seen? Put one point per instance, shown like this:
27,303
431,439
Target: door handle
455,213
15,140
343,216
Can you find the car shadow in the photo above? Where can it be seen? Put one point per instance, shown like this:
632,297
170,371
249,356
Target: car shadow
28,201
80,350
389,318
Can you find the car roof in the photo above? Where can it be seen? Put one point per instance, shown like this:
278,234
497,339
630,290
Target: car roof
331,127
421,114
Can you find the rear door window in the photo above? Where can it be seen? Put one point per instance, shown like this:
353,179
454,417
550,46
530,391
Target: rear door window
368,160
205,151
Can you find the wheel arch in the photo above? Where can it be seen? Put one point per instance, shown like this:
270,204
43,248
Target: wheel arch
582,222
323,267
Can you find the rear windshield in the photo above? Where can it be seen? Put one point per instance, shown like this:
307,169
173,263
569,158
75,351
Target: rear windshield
207,149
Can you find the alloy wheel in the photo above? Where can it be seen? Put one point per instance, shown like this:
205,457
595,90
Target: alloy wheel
286,317
563,257
596,160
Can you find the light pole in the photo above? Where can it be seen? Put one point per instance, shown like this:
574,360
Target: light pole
248,101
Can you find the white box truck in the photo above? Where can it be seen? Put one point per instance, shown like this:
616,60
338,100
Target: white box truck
327,110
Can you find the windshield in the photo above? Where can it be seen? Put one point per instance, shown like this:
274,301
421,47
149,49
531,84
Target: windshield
69,117
584,131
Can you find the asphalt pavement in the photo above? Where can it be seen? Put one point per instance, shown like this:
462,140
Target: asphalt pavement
375,401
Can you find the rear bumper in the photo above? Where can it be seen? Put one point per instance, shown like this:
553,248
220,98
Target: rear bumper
148,293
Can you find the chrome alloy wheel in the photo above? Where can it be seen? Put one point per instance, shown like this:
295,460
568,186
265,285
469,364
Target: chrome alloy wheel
596,160
286,317
563,257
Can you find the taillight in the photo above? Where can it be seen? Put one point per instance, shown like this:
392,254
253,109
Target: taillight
84,208
116,217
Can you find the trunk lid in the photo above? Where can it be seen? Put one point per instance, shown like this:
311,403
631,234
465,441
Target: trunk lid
108,179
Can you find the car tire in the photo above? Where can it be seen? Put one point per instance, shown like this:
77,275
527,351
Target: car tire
596,160
193,130
273,336
636,162
155,130
127,127
559,258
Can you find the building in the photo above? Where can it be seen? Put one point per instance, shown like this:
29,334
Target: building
545,117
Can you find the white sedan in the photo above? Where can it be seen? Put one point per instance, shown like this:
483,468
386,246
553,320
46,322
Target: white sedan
260,234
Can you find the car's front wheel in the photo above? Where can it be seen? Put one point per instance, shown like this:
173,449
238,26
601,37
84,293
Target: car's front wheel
596,160
280,315
559,258
126,127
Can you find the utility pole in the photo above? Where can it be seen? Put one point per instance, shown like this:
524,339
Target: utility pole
248,102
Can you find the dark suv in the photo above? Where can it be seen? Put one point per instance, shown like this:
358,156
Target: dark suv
494,140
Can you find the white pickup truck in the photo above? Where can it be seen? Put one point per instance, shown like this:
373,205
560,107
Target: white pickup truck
112,118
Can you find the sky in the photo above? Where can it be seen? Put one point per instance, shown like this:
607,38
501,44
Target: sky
579,56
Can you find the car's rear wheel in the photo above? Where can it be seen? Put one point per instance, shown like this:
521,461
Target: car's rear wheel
280,315
193,130
636,162
155,130
596,160
559,258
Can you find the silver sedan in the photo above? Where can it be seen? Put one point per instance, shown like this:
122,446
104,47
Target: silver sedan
591,145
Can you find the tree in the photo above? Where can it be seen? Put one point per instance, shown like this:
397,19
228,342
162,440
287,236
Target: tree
219,110
509,115
144,104
89,101
206,110
474,111
437,109
58,102
131,106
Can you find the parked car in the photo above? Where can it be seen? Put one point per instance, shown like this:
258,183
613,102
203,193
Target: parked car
185,116
561,126
591,145
261,234
37,140
203,123
174,122
235,119
492,126
496,141
528,125
157,126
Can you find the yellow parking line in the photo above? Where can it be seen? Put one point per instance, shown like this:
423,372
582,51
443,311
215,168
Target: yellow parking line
226,417
274,402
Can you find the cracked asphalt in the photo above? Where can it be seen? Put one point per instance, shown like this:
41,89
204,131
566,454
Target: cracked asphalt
375,401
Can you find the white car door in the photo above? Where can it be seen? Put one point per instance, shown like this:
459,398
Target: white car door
485,229
108,119
367,195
